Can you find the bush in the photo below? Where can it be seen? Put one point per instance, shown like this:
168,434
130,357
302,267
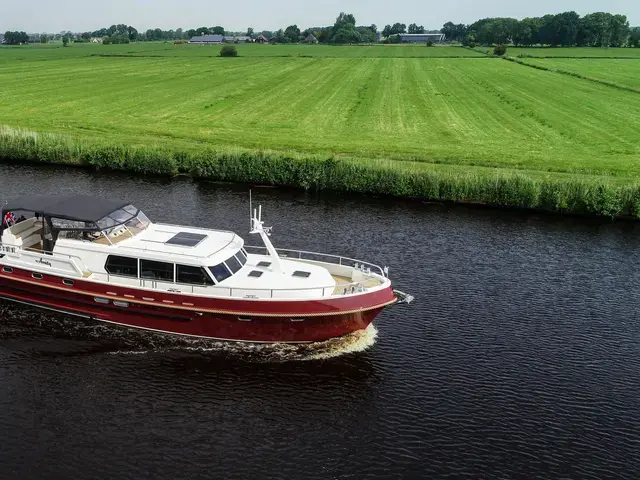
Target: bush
228,51
500,50
429,43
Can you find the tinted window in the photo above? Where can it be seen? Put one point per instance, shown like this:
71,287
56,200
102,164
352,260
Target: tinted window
125,266
233,264
220,272
241,257
192,275
156,270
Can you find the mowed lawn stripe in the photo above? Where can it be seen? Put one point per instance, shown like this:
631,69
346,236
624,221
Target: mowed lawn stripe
485,112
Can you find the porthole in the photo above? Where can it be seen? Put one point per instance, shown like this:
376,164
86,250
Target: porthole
104,301
120,304
7,269
68,281
37,276
297,319
245,319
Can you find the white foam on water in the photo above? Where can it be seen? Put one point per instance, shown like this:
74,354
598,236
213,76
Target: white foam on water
140,342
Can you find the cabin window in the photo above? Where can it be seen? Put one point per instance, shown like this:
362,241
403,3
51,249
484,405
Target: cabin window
37,276
7,269
156,270
233,264
242,258
264,264
255,273
124,266
68,281
301,274
192,275
220,272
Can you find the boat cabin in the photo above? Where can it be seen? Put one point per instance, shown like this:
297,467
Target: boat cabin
111,241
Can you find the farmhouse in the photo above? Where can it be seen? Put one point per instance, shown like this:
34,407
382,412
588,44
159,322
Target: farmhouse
261,39
97,39
421,37
239,39
1,37
310,39
207,39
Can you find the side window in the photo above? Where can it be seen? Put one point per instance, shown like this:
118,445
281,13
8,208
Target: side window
156,270
233,263
125,266
241,257
220,272
192,275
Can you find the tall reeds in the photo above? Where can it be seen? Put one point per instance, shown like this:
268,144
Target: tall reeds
497,187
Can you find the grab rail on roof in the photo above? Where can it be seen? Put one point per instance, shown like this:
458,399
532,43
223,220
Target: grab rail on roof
365,267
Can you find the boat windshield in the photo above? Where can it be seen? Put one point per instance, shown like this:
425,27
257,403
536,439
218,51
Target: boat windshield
230,266
131,217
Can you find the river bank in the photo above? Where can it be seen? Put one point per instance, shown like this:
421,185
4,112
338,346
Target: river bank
552,192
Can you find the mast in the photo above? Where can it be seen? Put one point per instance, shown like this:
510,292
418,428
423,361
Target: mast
265,232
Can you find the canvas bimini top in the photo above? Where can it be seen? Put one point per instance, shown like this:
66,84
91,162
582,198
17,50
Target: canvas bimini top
81,208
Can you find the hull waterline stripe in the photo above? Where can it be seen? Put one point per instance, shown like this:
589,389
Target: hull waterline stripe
166,332
210,310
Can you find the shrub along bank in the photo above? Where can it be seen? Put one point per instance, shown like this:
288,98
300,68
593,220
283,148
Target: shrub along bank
497,187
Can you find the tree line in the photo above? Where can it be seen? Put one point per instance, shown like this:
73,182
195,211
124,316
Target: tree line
16,38
564,29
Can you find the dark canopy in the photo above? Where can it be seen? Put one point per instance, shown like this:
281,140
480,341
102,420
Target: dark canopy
82,208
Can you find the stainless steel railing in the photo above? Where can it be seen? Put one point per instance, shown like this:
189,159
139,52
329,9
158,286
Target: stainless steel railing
365,267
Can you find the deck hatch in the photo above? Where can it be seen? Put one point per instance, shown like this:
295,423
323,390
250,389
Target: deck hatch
301,274
264,264
186,239
255,273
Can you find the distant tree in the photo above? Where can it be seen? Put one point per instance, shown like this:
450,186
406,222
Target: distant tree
292,32
594,30
344,20
634,38
86,36
413,28
132,33
367,35
398,28
191,33
65,40
619,28
44,38
386,32
228,51
250,32
217,30
453,32
526,32
373,27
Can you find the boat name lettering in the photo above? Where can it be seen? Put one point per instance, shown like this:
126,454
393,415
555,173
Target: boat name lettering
8,249
44,262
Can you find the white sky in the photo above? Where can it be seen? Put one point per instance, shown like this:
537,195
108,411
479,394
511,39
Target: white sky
82,15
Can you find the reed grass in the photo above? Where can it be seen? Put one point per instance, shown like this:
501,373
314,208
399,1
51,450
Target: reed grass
591,195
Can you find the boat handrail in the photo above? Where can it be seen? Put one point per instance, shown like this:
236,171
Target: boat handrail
346,288
193,228
340,260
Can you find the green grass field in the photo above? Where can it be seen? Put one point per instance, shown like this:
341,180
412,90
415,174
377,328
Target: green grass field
369,103
623,72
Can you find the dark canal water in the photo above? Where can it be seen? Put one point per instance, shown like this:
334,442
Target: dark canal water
519,359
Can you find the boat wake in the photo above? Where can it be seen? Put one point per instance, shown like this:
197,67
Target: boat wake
21,323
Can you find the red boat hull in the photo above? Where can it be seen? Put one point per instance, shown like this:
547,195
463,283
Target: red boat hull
216,318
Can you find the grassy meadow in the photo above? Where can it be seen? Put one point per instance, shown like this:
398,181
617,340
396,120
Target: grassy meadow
445,116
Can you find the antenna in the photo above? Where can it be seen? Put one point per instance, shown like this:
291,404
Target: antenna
250,212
